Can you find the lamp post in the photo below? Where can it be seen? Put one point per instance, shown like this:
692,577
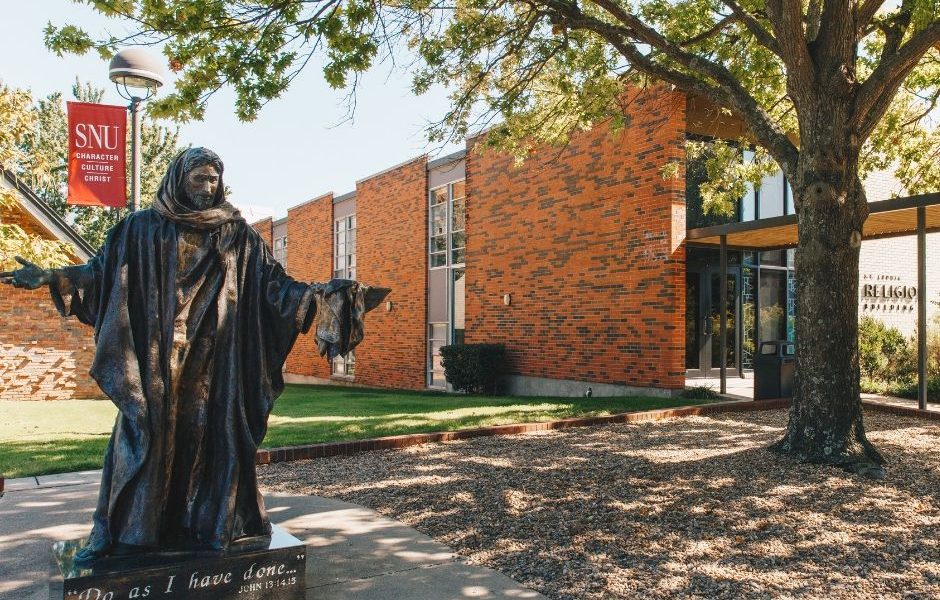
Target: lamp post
136,75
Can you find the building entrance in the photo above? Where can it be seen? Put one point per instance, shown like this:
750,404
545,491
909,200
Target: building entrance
703,319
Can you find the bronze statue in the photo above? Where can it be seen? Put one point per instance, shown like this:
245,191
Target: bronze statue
193,320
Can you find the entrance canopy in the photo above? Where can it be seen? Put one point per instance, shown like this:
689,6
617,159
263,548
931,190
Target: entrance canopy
888,218
913,215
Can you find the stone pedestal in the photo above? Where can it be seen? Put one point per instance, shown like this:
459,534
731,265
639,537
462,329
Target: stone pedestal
273,572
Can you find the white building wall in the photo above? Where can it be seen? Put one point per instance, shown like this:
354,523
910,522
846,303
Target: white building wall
888,268
890,265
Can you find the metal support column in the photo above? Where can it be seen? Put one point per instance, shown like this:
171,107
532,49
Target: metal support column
757,270
739,317
723,315
921,307
135,153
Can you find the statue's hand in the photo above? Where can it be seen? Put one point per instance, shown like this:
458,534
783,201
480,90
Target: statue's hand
30,276
374,296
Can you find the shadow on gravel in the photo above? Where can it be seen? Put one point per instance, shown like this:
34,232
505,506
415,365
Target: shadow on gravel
687,507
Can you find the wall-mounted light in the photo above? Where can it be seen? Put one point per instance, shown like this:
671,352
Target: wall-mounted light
388,306
507,299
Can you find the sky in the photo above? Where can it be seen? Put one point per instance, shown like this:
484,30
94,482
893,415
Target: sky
299,148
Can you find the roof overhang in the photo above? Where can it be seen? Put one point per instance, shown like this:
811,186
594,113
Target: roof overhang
47,218
888,218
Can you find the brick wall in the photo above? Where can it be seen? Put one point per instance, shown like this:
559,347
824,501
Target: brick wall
587,240
309,259
391,220
43,356
265,229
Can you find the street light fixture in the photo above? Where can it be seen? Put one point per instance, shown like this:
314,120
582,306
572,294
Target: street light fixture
136,75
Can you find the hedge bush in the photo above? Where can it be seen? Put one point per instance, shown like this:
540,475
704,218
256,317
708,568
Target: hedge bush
473,368
883,352
888,360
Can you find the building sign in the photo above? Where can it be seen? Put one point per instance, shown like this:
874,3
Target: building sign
887,293
97,154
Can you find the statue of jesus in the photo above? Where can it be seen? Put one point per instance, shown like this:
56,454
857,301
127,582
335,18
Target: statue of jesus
193,320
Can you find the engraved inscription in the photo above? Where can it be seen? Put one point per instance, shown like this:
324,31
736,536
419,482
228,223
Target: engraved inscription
270,574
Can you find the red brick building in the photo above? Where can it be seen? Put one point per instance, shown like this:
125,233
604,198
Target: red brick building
43,356
575,260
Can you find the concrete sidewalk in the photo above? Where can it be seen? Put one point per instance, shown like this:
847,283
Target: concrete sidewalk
352,552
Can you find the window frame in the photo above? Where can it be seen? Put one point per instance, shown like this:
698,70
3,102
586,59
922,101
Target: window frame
279,250
344,366
448,204
444,197
349,255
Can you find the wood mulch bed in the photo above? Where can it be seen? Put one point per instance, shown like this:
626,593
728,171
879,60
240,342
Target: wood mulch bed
691,507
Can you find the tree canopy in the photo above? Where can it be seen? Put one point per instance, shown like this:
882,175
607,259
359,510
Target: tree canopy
546,68
17,122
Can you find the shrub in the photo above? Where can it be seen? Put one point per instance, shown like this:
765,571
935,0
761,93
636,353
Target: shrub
700,392
883,352
473,368
888,360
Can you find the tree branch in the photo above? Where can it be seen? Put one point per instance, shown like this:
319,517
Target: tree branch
894,28
785,18
931,101
876,94
635,29
864,13
835,47
764,38
726,89
713,30
813,19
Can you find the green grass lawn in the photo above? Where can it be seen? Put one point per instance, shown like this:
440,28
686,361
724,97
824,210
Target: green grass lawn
39,438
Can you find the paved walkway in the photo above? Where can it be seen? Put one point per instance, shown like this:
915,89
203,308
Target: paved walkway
904,402
739,388
742,388
352,552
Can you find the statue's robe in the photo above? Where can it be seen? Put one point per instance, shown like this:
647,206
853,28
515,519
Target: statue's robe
192,327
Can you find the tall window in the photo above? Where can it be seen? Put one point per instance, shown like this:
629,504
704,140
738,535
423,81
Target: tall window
280,250
345,364
448,215
696,174
344,248
772,198
344,267
458,224
447,255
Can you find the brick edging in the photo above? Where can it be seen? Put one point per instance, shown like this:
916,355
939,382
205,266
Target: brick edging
328,449
907,411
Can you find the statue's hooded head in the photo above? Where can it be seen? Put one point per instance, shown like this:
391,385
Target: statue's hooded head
201,179
192,191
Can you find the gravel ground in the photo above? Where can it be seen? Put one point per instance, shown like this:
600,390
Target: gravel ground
689,507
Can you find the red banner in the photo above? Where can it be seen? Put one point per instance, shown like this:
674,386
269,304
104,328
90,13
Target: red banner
97,154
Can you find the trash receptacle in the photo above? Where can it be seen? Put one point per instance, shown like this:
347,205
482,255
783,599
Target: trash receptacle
774,367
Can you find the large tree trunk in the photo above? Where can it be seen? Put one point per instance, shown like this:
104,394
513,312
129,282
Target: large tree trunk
826,417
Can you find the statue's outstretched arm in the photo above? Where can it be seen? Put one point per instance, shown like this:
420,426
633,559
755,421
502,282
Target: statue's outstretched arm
30,276
73,288
76,290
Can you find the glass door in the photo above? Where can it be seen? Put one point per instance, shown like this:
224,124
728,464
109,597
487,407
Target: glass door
703,322
731,327
693,321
